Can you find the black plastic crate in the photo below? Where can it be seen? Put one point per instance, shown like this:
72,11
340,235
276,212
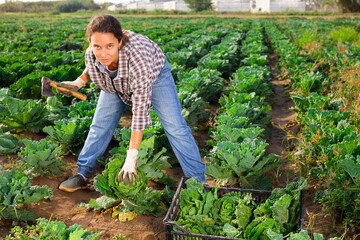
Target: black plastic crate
182,234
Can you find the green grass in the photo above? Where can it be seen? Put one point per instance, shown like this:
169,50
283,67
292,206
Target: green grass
345,34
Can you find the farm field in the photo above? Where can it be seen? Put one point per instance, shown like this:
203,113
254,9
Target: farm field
271,102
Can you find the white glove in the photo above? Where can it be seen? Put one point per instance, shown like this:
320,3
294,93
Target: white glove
72,85
129,168
79,83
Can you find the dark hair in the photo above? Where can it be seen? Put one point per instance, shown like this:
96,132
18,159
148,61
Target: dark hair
104,23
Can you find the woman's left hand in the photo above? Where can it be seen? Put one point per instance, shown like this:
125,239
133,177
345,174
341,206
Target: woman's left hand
129,168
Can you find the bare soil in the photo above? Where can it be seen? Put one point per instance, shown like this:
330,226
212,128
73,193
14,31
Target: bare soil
283,126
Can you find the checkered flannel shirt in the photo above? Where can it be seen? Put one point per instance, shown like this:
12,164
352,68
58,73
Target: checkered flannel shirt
140,62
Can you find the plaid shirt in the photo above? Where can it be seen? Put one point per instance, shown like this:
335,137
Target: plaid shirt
140,62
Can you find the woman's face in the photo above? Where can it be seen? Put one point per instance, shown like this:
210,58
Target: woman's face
106,49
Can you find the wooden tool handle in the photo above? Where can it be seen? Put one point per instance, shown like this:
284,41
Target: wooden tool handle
74,93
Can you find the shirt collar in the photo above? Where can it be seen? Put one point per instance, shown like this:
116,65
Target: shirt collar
123,63
100,66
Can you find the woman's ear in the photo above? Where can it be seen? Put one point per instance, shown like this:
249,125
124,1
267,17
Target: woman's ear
120,44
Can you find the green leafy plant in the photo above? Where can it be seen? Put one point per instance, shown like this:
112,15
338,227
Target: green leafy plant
326,139
224,57
345,34
316,101
56,109
8,143
102,202
226,133
120,237
247,160
154,163
70,133
253,110
23,114
41,157
308,82
308,36
135,198
47,229
237,214
16,189
193,108
303,235
206,83
152,159
343,191
253,49
106,182
251,79
82,109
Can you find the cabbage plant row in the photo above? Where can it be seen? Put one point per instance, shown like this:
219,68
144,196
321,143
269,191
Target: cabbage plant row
238,155
328,145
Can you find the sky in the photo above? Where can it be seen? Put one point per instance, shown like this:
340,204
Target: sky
96,1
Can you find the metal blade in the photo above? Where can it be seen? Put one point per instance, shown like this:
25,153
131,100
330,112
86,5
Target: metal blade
45,87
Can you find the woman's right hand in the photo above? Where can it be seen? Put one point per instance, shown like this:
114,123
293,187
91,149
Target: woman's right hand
71,85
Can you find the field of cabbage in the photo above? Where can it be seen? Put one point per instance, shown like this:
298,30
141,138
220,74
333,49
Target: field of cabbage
224,70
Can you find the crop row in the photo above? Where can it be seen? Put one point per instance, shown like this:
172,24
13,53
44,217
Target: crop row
328,144
239,156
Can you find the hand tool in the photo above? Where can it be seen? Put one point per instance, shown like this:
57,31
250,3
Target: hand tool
46,90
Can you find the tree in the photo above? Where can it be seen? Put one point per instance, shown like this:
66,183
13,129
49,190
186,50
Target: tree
344,5
199,5
349,5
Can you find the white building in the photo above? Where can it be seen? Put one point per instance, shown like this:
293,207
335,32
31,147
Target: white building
231,5
254,6
176,5
148,6
115,7
269,6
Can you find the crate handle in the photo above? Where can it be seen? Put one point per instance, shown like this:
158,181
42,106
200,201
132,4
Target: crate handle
179,227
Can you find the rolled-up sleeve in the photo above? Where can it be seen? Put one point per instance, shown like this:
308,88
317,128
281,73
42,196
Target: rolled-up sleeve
86,71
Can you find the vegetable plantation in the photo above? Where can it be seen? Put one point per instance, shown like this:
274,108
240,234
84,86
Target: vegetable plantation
224,70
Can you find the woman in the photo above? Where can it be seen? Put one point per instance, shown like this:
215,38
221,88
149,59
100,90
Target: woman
129,69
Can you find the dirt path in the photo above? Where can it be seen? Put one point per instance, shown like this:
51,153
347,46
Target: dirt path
283,125
284,130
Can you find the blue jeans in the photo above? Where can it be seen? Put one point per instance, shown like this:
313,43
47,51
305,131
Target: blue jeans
166,104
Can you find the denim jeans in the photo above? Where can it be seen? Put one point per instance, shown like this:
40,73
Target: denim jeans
166,104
